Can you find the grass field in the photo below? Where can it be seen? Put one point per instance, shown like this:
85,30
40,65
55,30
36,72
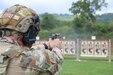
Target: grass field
89,67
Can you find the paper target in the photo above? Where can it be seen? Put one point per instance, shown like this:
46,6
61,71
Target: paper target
68,47
90,48
97,47
84,47
94,48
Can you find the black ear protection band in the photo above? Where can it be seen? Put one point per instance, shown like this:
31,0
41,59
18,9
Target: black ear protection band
30,36
35,19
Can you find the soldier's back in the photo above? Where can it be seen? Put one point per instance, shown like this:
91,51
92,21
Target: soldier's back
10,57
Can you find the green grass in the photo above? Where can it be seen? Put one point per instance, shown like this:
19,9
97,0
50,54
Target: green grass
72,67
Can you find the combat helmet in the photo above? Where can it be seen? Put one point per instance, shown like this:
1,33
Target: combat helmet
21,19
55,35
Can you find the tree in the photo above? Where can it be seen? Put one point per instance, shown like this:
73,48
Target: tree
48,21
85,14
87,8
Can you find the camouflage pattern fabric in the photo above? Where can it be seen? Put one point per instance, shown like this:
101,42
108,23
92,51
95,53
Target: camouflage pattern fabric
17,18
17,60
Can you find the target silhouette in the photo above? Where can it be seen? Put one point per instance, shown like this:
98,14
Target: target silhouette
94,48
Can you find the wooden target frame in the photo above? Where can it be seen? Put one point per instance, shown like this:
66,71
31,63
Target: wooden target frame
94,48
90,48
68,47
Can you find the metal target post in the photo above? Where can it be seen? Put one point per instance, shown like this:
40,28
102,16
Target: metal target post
109,52
77,50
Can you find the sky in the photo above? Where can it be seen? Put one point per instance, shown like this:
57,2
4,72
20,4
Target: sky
50,6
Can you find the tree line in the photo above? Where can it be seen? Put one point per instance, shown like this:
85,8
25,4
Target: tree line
83,23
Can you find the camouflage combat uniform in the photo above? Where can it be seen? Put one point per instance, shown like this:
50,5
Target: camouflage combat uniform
16,59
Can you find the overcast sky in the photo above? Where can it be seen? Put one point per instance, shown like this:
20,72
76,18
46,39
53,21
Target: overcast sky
50,6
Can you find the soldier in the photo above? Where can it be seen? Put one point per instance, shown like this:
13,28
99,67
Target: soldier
55,41
19,27
55,45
